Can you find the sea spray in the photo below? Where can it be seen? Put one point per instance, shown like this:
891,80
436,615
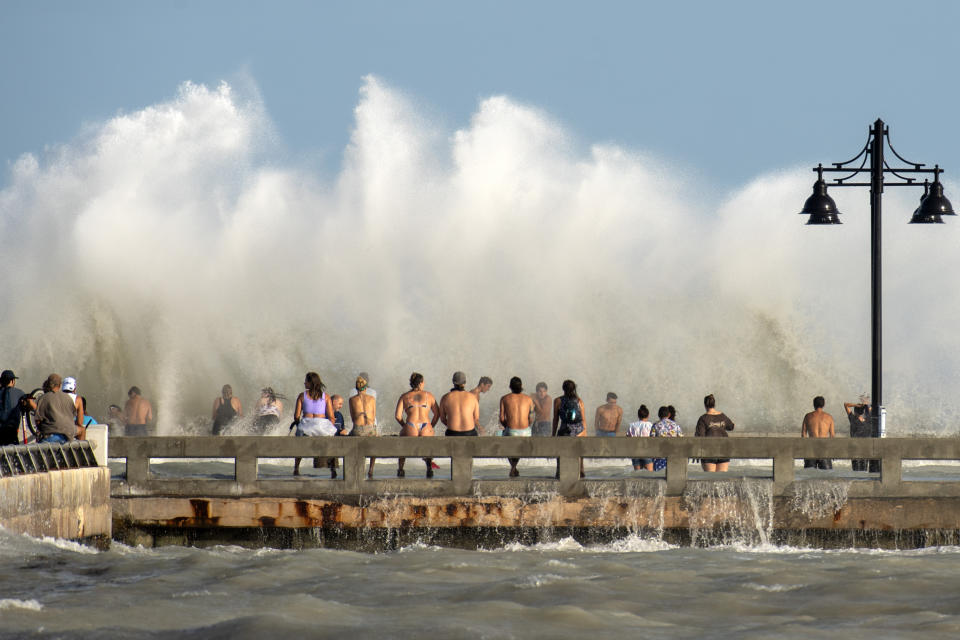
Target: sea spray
175,248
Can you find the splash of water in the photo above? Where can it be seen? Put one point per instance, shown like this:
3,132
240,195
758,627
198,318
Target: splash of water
817,498
175,249
729,512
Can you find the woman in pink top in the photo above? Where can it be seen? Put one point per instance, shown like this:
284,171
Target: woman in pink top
313,414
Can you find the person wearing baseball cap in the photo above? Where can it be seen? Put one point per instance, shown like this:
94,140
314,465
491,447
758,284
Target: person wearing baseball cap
459,409
9,408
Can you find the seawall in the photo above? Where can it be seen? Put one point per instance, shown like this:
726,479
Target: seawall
56,491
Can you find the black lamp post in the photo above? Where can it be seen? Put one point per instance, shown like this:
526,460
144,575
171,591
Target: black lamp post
823,210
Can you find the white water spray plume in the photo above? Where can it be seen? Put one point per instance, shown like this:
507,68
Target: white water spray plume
163,248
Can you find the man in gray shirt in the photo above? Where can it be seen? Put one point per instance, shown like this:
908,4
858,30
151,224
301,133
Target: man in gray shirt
56,421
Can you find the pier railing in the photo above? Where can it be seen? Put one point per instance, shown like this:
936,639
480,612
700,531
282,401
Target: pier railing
460,453
22,459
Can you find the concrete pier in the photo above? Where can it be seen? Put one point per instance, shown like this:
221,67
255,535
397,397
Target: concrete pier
872,509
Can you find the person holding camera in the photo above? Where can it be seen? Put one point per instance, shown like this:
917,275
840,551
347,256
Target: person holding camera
860,415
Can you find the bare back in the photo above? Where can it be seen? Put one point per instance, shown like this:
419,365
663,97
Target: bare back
817,424
414,409
515,410
363,410
138,410
608,417
460,410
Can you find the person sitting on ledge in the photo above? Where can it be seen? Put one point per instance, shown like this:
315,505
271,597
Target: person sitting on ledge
515,410
58,420
417,412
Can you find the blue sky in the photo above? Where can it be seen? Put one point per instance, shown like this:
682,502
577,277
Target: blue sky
729,90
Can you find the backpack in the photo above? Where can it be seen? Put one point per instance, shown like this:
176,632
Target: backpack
570,411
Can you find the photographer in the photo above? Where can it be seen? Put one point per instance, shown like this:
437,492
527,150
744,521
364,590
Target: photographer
860,415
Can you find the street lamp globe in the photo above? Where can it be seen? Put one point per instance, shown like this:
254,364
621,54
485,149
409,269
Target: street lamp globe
933,205
820,207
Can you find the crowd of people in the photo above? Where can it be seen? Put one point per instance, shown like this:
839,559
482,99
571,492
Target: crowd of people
56,413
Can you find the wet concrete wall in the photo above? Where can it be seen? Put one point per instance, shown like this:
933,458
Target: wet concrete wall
747,513
73,504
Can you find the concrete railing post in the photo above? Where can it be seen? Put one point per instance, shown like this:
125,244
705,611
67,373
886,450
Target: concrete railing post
783,472
353,465
461,472
891,469
245,468
138,468
568,462
676,474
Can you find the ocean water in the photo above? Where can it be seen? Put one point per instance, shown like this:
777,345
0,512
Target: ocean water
642,588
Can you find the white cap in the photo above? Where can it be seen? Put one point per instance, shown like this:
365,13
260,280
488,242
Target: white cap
69,385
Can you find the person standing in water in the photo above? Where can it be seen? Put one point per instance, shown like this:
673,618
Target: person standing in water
417,413
313,414
817,424
543,405
363,414
713,424
459,409
226,407
515,410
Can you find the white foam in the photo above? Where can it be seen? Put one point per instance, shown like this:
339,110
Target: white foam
13,603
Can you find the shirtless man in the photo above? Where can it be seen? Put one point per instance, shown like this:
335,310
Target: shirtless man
460,409
482,387
137,413
363,414
417,414
608,417
515,410
543,407
817,424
